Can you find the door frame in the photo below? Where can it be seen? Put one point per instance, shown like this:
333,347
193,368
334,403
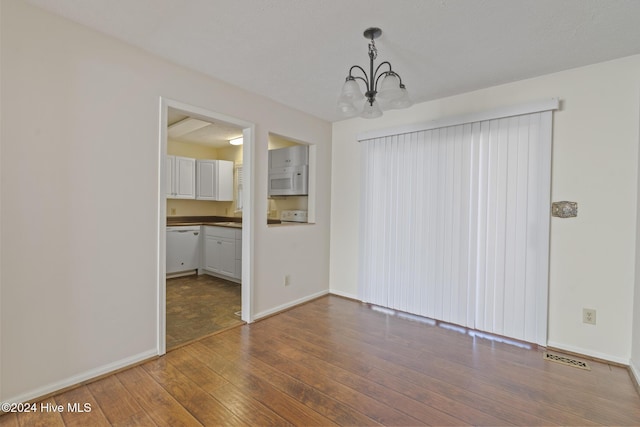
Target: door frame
248,156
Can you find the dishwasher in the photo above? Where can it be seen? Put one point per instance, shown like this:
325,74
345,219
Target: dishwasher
183,248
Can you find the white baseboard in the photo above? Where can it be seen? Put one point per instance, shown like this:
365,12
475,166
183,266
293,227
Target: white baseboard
193,272
587,352
635,371
289,305
220,276
81,378
344,294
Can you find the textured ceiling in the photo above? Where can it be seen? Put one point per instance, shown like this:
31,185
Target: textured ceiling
298,52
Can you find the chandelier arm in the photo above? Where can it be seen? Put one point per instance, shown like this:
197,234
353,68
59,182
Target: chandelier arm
361,78
357,67
365,79
384,63
377,77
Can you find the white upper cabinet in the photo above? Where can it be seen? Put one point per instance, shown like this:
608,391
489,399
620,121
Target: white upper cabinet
225,180
181,177
214,180
206,180
297,155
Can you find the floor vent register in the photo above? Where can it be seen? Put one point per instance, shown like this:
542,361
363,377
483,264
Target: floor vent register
566,361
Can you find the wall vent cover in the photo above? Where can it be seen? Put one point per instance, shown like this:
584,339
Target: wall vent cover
566,361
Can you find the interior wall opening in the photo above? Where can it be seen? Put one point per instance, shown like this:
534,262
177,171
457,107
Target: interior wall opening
202,229
291,181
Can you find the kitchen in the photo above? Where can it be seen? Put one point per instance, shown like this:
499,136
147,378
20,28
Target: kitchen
204,219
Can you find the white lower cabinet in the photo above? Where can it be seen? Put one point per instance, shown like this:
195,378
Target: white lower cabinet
220,251
219,255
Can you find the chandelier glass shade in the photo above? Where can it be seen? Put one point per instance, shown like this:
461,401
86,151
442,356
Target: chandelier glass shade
384,89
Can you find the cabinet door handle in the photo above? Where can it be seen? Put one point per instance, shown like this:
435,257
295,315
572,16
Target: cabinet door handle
195,233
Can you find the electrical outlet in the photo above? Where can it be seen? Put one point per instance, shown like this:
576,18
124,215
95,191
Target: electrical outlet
589,316
287,280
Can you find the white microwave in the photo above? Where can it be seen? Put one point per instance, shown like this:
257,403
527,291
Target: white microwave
291,181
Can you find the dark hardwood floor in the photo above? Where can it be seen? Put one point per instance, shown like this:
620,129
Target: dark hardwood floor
198,306
337,362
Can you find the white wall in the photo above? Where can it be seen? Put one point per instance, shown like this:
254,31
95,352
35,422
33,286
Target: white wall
79,198
595,163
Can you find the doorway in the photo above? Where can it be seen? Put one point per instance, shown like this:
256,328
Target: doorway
199,305
171,110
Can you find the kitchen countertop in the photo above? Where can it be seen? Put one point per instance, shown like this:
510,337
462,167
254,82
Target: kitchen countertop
216,224
218,221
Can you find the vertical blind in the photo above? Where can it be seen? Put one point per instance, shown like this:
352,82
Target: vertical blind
455,224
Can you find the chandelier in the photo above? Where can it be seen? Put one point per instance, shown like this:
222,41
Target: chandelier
392,94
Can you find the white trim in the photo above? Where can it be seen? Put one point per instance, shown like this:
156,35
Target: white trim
248,154
344,294
587,352
248,194
635,371
311,198
161,295
219,276
291,304
516,110
82,377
